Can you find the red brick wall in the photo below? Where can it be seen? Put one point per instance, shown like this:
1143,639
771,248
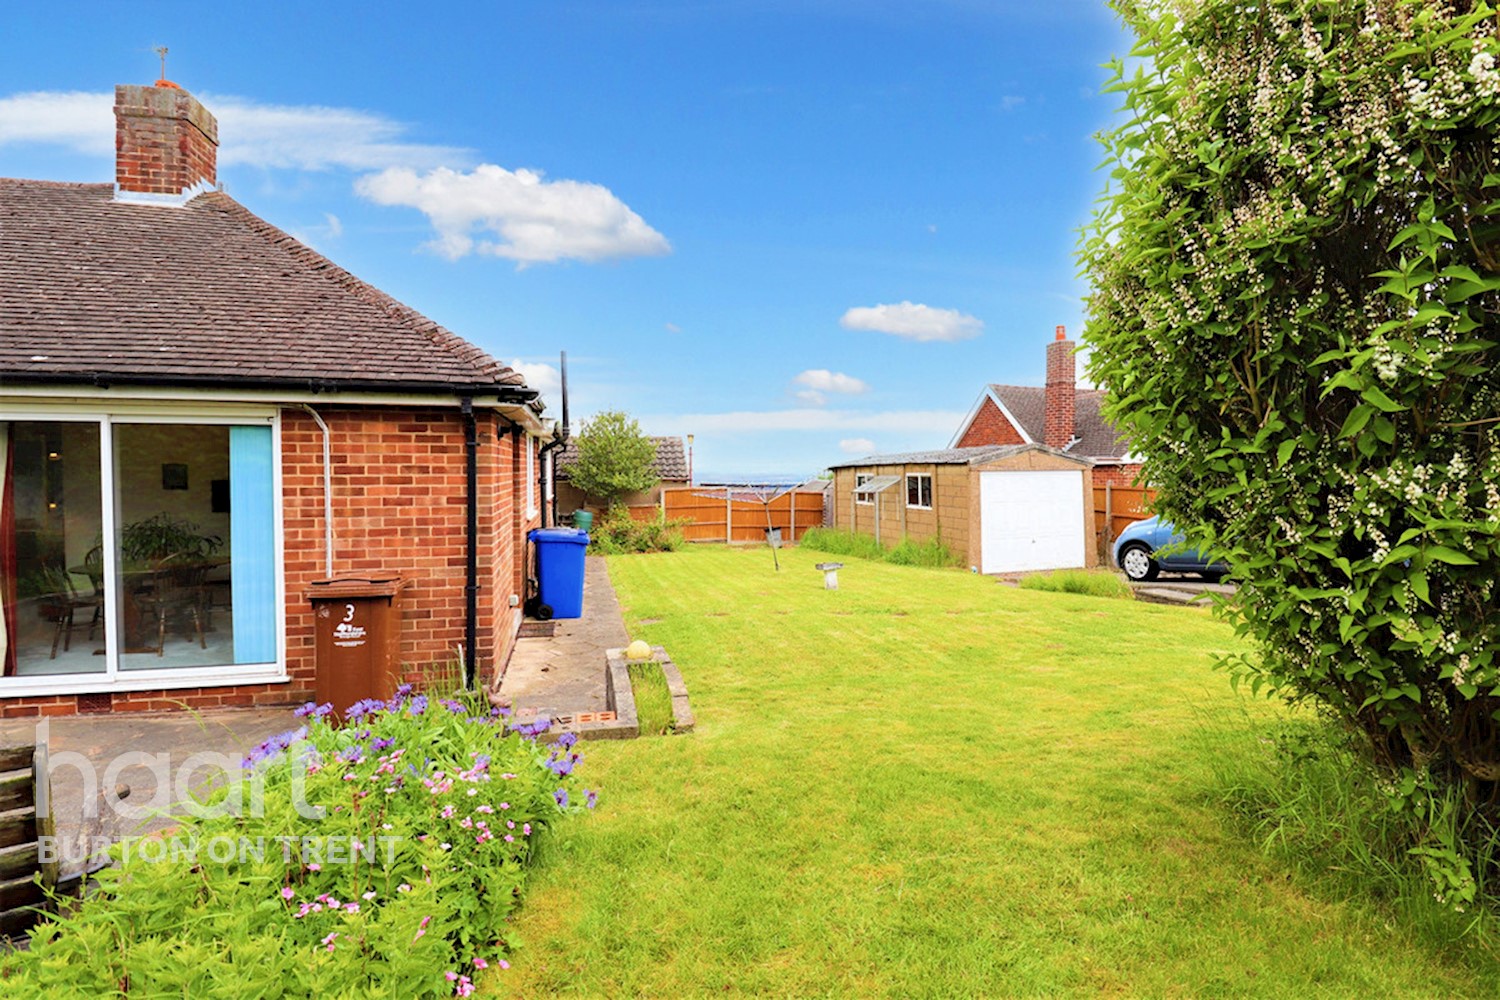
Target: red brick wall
1117,475
989,426
398,506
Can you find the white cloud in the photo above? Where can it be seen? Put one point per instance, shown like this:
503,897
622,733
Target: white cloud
823,380
544,378
314,236
672,328
905,422
1011,101
812,397
534,220
913,321
856,446
306,137
80,121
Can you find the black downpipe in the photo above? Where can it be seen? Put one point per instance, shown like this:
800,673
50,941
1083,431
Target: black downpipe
471,555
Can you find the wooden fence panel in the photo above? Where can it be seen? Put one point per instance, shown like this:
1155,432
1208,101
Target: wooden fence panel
718,519
1115,509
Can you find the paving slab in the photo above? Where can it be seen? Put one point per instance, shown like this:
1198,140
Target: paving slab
91,754
564,674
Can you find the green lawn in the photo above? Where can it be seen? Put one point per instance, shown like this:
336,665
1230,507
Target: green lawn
928,784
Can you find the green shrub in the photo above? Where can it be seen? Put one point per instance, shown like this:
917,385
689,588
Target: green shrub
907,553
617,533
400,888
1295,311
1093,582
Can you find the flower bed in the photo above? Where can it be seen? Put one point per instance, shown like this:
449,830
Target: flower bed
380,857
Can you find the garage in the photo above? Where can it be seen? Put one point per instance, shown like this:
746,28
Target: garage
1031,520
996,508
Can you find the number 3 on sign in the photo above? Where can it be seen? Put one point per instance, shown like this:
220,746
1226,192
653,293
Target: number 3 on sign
348,612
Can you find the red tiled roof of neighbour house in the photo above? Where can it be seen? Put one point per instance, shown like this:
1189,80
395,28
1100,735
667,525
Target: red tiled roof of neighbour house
97,291
670,463
1097,438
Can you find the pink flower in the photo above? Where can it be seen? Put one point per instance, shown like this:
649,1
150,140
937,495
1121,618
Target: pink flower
526,829
351,907
368,896
287,892
314,867
464,988
450,975
502,963
328,941
480,963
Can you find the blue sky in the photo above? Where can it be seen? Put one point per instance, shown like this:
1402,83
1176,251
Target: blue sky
798,230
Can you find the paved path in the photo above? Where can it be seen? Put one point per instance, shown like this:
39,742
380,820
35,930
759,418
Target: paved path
565,674
91,754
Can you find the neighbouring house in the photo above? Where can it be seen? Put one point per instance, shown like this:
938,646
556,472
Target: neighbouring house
1059,415
1003,508
670,465
200,416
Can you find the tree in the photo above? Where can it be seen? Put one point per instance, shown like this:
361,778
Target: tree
614,458
1295,309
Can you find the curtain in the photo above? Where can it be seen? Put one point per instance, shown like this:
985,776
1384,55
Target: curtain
252,544
7,551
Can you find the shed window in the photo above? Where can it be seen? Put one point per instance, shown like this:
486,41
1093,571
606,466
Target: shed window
919,490
863,499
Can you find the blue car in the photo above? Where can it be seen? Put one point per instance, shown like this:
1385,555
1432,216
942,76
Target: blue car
1138,551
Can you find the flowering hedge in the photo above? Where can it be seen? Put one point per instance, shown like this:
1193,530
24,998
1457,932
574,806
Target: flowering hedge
379,857
1296,297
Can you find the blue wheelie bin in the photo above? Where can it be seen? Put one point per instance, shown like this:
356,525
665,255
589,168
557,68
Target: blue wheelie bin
559,569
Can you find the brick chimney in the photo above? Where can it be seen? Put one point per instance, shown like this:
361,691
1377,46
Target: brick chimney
1059,428
166,145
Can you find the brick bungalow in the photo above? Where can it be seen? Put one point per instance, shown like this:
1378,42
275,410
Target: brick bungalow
200,416
1058,415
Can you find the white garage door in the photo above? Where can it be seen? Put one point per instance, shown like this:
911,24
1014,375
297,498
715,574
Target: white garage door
1030,520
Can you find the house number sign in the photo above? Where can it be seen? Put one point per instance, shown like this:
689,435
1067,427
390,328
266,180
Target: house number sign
346,633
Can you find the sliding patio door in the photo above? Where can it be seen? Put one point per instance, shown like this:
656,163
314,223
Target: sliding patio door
136,548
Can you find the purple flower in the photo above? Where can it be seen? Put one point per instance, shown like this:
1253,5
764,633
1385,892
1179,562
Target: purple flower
561,795
314,709
418,705
353,755
566,740
403,691
593,798
273,746
364,707
381,743
455,707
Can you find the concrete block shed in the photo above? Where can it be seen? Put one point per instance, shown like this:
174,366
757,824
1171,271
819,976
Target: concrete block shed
1006,509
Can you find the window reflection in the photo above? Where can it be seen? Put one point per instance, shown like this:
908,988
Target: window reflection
52,604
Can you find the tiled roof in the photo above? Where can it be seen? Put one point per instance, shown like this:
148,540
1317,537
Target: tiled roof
1096,437
96,291
670,464
951,456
